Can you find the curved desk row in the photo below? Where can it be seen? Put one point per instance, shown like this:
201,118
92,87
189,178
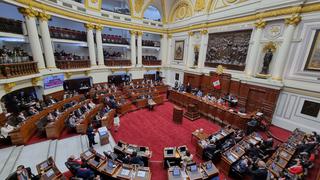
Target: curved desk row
54,129
211,109
81,128
28,128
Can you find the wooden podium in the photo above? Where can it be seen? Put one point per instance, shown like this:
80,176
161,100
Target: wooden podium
192,112
177,115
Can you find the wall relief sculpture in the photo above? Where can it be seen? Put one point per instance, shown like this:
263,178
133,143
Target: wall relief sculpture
228,49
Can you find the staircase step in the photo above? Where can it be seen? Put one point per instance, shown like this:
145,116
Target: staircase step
52,149
10,163
4,156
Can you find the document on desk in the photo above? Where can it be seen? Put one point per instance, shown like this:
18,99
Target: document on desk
125,172
141,174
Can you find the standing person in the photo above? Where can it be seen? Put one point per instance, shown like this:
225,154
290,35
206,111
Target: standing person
116,122
90,134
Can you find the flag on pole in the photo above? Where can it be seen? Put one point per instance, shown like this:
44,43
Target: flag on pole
216,83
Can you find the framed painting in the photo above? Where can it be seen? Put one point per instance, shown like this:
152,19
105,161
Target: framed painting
179,50
313,62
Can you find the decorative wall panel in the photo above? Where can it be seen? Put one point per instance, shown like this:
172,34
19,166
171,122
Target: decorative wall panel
228,49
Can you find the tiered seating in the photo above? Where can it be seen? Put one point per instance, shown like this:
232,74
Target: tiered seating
114,39
150,61
150,43
82,127
18,69
64,33
11,26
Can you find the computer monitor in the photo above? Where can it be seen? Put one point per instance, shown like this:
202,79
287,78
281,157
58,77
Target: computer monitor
142,148
97,158
182,148
169,151
193,168
110,163
120,143
176,172
209,165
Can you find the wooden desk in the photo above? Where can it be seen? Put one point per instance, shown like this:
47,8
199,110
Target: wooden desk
211,109
107,120
54,129
48,171
196,136
124,108
194,175
210,172
141,103
125,172
158,100
142,173
177,115
82,127
22,134
172,177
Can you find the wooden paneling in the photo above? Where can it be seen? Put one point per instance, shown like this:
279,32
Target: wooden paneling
3,119
193,79
56,95
234,87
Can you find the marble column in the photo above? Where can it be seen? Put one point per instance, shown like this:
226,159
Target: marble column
139,42
90,41
46,40
203,48
280,62
133,47
169,49
190,57
251,63
100,57
163,49
30,17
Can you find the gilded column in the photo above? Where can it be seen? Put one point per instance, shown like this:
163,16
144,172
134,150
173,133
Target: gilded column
190,57
280,62
203,48
90,41
46,40
163,49
100,57
139,42
30,17
251,63
169,49
133,47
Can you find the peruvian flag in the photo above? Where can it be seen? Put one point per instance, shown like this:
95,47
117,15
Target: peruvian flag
216,83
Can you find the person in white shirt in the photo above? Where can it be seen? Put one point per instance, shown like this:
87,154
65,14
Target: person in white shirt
6,129
116,122
91,105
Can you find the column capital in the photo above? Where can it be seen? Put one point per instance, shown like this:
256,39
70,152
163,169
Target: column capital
44,16
28,12
133,32
260,24
139,33
204,32
293,20
8,86
98,27
89,26
190,33
169,36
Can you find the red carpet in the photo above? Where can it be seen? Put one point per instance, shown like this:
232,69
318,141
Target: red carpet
156,130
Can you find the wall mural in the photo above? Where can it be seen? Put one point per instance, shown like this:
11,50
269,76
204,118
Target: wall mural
313,62
179,50
228,49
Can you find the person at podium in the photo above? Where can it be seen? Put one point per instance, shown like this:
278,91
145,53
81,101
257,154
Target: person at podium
199,93
188,88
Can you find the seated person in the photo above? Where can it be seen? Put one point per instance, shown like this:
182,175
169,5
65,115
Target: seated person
261,173
23,173
21,118
6,129
91,105
56,113
253,151
51,118
38,106
185,160
199,93
252,125
73,161
228,143
296,168
135,159
78,113
73,121
32,111
238,135
242,166
181,88
51,101
151,103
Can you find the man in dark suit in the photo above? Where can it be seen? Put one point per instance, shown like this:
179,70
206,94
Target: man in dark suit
261,173
22,173
135,159
188,88
90,134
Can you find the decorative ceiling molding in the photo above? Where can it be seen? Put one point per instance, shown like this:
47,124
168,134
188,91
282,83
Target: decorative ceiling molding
181,10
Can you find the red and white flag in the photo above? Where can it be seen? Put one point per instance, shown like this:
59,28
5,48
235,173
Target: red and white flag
216,83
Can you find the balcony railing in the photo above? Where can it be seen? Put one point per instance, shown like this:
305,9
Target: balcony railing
151,62
67,64
18,69
120,62
228,66
11,26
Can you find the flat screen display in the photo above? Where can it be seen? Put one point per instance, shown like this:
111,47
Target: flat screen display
53,81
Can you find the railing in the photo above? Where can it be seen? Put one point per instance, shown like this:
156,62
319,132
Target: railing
18,69
228,66
11,26
151,62
63,64
117,62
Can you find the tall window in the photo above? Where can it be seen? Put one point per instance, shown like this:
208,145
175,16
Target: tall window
117,6
152,13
